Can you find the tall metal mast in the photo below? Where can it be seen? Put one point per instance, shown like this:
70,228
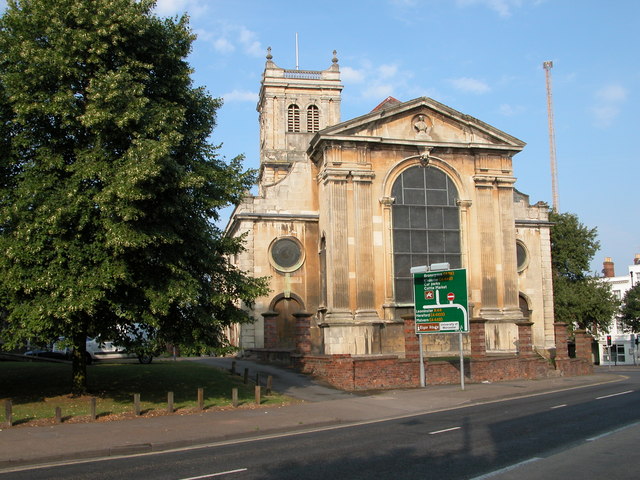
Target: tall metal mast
552,138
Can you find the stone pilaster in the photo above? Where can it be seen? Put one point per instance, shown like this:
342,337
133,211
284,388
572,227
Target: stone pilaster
363,231
509,282
338,286
486,223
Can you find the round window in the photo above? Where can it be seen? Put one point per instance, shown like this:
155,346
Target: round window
522,256
286,254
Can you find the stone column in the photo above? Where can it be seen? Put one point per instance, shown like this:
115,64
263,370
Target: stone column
477,337
525,346
510,303
363,230
488,247
337,246
561,335
386,203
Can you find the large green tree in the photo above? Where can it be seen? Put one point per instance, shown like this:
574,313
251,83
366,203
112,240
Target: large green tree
109,186
580,299
630,311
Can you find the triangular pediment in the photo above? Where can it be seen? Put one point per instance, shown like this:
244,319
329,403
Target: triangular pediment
422,120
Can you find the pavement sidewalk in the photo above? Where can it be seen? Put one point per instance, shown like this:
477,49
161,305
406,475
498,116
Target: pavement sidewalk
37,445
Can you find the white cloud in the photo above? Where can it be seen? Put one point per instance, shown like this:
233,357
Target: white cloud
380,80
609,104
351,75
510,110
378,92
387,71
250,44
240,96
166,8
612,93
501,7
229,38
470,85
223,45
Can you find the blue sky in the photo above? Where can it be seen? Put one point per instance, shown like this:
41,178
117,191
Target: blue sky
481,57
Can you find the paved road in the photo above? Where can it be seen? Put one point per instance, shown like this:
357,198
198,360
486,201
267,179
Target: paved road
498,439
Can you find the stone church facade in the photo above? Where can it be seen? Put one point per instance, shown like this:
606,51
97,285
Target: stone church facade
345,208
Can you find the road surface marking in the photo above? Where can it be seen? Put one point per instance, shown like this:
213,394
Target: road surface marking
559,406
211,475
445,430
505,469
614,395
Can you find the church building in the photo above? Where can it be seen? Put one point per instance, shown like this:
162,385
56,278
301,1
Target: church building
344,209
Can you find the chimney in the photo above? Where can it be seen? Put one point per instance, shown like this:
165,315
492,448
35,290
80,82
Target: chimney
607,268
636,260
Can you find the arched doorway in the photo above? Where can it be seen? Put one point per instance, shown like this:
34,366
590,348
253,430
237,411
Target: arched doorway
285,322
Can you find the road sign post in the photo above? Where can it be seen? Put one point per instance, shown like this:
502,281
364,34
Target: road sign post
441,305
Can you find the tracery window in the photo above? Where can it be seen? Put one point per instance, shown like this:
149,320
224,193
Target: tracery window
313,119
293,118
426,225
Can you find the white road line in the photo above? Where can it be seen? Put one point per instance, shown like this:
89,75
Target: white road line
505,469
445,430
611,432
558,406
614,395
219,474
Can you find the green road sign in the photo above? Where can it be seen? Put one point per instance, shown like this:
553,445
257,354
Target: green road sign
441,301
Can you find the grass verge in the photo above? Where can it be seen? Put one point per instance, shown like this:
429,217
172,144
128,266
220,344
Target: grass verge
36,389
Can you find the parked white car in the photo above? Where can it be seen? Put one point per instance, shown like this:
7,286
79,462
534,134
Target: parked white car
102,350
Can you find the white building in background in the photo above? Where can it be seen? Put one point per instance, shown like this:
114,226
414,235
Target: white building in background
623,348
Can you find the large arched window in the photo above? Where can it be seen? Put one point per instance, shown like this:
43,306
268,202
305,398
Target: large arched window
426,224
293,118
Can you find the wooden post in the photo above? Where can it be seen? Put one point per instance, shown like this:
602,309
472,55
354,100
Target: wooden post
258,394
258,378
233,367
58,415
269,384
246,375
136,404
8,412
234,397
170,402
201,399
92,408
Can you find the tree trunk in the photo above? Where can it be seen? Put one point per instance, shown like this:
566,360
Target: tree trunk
79,364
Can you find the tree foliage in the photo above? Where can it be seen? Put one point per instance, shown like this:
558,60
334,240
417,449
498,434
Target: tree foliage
579,298
630,311
109,187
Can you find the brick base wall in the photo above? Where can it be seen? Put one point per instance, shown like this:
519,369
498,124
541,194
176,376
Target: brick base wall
390,371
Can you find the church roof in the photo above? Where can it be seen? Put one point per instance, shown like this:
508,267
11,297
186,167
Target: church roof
421,121
386,103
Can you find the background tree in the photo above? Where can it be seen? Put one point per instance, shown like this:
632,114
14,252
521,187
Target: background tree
580,299
109,187
630,311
